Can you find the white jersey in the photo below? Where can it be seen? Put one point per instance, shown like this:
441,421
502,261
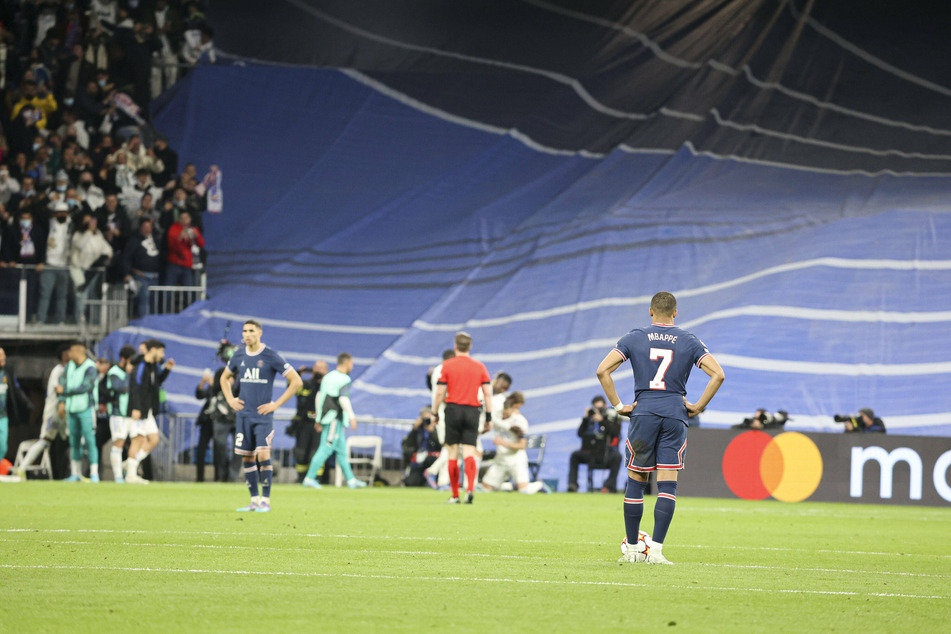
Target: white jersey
52,398
503,429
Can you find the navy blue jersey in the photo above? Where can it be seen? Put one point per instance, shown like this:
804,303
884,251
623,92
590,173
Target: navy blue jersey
255,373
662,357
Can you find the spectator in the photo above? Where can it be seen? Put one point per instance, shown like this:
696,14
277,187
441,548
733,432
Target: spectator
90,251
142,158
599,432
169,159
114,222
141,265
142,185
8,185
89,192
91,103
184,242
54,278
61,184
39,97
864,422
25,244
167,25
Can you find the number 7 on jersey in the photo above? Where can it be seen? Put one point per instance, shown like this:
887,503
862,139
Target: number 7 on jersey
665,356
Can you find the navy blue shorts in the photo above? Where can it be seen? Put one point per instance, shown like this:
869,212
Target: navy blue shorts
252,432
655,442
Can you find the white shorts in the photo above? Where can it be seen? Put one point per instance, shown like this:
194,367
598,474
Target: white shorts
511,466
54,426
142,427
119,426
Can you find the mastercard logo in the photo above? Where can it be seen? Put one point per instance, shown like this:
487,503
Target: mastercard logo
787,467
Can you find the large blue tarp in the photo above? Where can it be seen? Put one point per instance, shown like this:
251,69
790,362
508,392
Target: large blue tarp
371,209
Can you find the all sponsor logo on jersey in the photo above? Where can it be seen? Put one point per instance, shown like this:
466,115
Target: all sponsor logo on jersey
252,375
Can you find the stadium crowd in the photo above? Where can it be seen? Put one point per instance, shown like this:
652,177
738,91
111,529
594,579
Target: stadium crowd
89,191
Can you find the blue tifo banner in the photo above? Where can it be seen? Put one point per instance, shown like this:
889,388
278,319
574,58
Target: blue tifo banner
793,467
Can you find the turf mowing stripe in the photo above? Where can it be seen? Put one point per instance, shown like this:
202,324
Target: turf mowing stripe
452,539
274,573
448,554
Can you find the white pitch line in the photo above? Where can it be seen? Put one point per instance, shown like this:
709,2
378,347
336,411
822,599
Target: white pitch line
415,553
281,573
449,539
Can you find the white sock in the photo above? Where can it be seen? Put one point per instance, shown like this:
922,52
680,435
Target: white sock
439,463
115,457
141,455
532,488
75,467
34,452
93,468
132,469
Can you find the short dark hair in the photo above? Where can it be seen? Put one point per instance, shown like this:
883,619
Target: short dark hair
127,352
254,322
598,398
151,344
505,377
448,354
664,303
343,357
77,342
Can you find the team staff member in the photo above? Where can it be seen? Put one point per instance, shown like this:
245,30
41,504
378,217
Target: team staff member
459,384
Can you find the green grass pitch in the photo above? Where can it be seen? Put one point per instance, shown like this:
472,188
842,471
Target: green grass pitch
177,558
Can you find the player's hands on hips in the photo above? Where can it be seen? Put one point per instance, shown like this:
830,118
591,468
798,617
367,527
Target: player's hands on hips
627,409
267,408
236,404
692,409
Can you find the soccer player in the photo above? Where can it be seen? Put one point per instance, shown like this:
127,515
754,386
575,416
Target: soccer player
462,378
661,356
145,381
334,413
76,390
117,401
511,460
438,473
53,423
255,367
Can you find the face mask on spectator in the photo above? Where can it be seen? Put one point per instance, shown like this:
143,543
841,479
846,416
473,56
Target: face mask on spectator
36,146
85,184
68,101
61,219
179,203
133,4
26,224
61,188
102,83
72,202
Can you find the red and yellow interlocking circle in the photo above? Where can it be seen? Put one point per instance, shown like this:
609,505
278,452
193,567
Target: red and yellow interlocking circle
787,467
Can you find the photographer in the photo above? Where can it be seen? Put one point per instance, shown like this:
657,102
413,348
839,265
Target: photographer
864,421
302,427
763,419
599,431
420,448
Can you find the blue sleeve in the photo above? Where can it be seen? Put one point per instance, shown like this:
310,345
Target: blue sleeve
698,350
233,364
117,385
625,346
278,364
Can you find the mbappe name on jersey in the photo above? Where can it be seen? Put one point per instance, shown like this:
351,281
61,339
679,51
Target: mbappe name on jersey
659,336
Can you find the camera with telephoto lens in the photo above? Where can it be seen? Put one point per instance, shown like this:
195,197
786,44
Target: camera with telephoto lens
225,351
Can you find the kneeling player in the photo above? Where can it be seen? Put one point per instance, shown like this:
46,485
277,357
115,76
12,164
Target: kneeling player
511,460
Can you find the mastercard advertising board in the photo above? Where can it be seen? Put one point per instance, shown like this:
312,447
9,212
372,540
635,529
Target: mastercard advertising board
790,466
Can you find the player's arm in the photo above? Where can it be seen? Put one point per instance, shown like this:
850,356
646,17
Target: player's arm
709,365
438,399
226,381
611,362
294,383
487,400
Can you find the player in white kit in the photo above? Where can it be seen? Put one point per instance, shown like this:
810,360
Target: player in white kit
53,424
511,459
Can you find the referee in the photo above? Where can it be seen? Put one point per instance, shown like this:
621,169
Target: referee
459,384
